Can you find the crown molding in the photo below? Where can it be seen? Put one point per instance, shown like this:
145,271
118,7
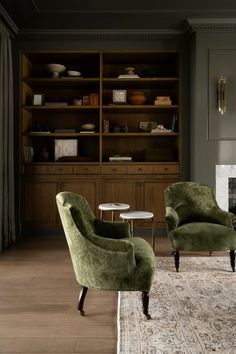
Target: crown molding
210,24
92,35
11,26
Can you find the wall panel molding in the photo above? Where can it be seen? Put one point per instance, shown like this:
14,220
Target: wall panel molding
210,24
101,35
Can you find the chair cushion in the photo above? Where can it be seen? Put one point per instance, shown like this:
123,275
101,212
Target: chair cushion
111,229
145,263
203,236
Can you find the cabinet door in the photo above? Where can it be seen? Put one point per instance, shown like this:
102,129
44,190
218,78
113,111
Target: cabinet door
117,190
154,199
89,188
40,204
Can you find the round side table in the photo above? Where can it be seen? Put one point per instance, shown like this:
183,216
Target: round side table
139,215
112,207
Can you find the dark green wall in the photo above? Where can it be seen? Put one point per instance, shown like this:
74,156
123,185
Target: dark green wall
209,145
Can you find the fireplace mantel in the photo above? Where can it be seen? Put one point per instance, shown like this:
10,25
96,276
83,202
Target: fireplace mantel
223,173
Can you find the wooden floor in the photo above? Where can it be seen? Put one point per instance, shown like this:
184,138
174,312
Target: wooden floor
38,296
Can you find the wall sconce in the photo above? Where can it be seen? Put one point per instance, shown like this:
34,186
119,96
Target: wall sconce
221,95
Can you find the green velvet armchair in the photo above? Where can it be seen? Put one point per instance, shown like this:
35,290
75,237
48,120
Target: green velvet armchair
196,223
104,255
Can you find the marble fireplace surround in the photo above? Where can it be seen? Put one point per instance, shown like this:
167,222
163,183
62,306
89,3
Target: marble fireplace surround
223,173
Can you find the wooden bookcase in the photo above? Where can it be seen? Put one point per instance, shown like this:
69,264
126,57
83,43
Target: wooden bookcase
156,157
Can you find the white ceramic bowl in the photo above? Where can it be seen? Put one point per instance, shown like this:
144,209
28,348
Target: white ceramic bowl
73,73
88,126
56,69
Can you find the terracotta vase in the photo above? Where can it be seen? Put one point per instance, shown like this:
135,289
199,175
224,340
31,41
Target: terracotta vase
137,98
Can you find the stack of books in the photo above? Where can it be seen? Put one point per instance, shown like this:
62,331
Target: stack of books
162,101
53,103
120,158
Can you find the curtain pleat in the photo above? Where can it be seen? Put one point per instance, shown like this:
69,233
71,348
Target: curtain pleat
7,213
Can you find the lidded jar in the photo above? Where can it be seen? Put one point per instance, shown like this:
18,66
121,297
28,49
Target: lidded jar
137,98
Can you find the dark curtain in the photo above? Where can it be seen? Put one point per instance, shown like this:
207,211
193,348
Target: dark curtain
7,214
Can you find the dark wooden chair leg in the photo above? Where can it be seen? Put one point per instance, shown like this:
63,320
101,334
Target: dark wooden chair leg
80,305
176,256
145,302
232,259
210,253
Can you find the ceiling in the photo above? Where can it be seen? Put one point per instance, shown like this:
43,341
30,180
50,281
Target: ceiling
114,14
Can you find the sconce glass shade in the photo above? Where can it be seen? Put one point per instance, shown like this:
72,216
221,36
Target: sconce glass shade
221,95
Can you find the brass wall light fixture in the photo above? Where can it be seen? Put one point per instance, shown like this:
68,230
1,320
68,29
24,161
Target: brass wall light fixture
221,95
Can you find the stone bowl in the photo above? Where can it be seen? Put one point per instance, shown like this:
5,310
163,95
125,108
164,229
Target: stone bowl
88,126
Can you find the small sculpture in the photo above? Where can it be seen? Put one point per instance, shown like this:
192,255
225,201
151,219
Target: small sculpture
56,69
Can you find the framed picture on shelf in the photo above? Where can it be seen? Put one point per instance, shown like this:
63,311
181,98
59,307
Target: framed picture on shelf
65,147
119,96
37,99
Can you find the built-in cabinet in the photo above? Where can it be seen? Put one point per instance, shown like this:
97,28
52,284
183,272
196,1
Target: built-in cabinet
144,135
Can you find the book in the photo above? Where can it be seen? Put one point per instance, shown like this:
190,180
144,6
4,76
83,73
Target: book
117,158
162,103
123,76
40,132
64,131
56,104
174,123
158,130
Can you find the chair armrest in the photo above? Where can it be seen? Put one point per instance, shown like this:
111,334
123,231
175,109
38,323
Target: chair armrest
222,217
112,229
172,218
111,244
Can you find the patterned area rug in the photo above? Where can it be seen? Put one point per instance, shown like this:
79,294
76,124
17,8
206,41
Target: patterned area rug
193,311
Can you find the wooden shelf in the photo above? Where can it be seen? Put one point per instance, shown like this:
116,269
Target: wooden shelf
66,82
60,108
141,79
127,135
51,135
140,107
